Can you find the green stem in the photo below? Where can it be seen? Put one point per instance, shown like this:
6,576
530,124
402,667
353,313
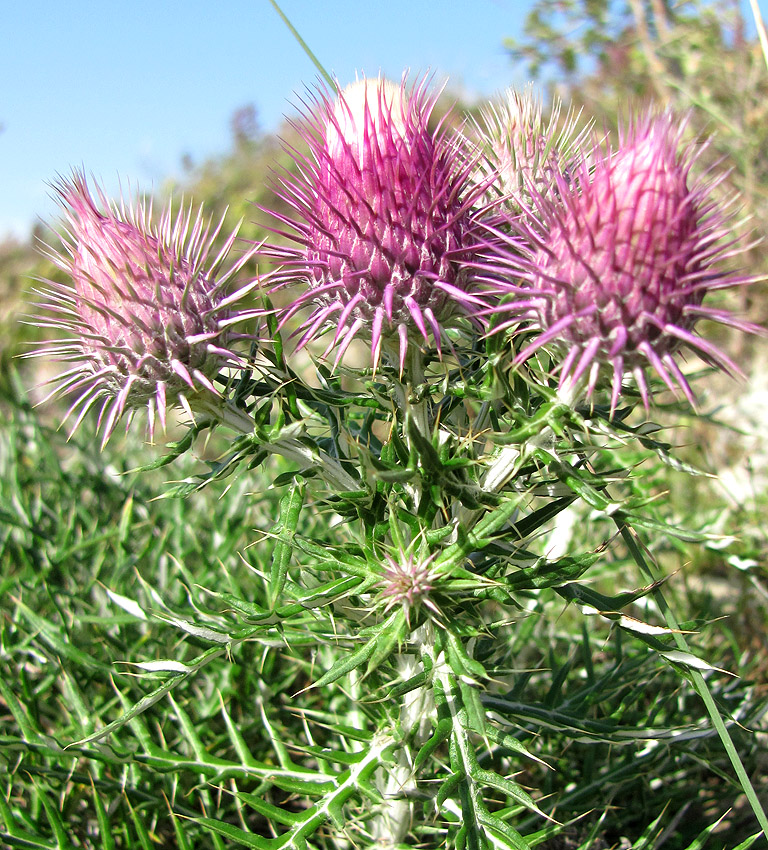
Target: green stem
760,29
224,413
330,469
405,390
304,46
416,720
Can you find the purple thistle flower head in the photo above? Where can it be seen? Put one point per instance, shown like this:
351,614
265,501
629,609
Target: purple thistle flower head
147,319
616,262
382,220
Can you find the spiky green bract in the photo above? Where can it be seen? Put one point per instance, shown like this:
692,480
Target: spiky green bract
617,260
383,220
146,313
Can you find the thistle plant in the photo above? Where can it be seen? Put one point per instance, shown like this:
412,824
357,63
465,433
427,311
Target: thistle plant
522,149
372,642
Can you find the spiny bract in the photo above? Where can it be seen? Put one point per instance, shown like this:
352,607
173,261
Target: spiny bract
521,148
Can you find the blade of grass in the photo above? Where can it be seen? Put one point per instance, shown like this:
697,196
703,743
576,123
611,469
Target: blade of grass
304,46
695,677
760,29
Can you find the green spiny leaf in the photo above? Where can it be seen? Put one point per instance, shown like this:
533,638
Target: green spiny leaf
270,811
285,529
747,843
506,786
391,638
235,834
105,829
439,736
146,840
448,788
505,835
150,699
53,816
379,636
509,742
460,661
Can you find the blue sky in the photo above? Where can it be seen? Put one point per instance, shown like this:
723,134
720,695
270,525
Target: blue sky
126,88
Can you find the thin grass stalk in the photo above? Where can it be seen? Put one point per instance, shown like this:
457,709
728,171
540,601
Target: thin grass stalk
695,677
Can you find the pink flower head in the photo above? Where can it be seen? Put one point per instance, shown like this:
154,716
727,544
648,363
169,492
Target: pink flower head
617,261
383,220
407,582
147,319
